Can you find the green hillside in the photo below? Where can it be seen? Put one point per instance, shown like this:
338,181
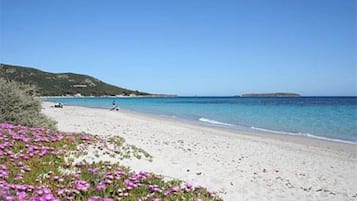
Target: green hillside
61,84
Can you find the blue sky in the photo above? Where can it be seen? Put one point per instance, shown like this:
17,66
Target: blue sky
189,47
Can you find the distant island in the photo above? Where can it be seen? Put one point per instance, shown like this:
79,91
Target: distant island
64,84
279,94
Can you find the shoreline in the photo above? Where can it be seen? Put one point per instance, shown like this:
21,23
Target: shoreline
237,165
349,146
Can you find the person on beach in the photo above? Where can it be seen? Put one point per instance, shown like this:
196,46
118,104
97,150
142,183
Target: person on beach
115,106
59,105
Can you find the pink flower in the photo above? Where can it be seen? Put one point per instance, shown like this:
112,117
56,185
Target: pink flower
21,196
82,185
154,188
93,170
188,186
94,198
101,186
10,198
18,177
172,190
79,164
4,174
48,197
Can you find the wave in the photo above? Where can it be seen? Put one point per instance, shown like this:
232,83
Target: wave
304,134
202,119
214,122
275,131
331,139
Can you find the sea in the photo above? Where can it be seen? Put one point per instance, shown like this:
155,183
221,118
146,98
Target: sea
328,118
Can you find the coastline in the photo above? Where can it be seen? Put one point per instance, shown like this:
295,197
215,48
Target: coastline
330,143
283,135
238,165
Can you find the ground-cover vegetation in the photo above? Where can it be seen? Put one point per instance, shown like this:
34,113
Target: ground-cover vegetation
37,164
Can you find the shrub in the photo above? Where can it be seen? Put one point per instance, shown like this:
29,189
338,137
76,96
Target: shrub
19,106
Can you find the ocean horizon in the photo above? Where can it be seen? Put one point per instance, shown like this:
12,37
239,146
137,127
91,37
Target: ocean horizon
331,118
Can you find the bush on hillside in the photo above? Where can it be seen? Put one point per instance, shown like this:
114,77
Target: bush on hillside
19,106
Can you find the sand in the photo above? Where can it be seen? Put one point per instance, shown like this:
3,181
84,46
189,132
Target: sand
237,165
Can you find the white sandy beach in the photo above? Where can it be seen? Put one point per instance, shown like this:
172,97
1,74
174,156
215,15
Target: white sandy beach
239,166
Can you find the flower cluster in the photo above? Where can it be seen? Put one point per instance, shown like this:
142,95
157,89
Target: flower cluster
34,166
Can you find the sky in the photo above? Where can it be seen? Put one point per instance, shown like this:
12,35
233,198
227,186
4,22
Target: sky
185,47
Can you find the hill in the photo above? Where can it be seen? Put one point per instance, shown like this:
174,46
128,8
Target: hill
61,84
280,94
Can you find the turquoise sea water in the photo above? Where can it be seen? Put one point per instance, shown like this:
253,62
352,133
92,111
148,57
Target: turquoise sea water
333,118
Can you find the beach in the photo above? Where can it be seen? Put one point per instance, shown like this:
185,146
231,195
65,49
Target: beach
237,165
